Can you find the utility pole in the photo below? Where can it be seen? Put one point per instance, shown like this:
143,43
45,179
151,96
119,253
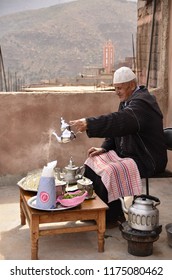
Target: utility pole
2,72
151,42
134,58
1,76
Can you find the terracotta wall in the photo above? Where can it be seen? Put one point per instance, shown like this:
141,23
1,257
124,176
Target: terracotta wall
26,123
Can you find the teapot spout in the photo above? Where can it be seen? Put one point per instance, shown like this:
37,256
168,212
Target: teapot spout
123,205
57,137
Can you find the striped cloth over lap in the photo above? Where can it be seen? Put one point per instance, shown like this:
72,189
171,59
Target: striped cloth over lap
120,176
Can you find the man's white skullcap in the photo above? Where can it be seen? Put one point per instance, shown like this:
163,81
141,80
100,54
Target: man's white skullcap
123,75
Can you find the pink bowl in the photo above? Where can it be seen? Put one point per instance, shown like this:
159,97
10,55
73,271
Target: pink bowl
74,201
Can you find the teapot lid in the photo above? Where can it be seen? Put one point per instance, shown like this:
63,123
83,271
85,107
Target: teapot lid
71,165
143,201
64,125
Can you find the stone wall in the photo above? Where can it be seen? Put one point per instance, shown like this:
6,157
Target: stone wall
146,39
169,81
160,76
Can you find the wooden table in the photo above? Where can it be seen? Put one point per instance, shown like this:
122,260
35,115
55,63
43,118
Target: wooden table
93,209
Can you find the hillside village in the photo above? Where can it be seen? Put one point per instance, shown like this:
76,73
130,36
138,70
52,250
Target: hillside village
58,44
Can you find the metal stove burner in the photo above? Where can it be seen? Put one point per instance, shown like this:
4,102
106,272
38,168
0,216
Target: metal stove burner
140,243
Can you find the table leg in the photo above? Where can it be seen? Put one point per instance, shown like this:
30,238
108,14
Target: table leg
101,230
22,215
34,234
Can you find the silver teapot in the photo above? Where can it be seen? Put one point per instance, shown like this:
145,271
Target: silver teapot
66,134
143,214
72,173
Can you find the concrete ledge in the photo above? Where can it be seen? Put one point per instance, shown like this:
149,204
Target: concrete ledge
10,180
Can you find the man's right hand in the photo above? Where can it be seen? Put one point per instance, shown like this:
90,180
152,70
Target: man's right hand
95,151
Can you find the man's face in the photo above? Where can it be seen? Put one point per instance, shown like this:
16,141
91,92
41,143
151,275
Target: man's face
124,90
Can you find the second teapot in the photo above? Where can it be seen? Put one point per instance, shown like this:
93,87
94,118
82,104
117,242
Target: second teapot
72,172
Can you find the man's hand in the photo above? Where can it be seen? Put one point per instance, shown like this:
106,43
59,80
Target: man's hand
80,125
95,151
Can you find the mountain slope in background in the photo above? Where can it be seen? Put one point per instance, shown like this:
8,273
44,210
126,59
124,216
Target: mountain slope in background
59,41
11,6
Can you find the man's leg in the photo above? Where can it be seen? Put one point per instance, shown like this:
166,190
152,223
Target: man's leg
115,212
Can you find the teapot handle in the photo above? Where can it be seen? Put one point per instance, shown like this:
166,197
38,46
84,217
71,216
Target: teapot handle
144,196
81,170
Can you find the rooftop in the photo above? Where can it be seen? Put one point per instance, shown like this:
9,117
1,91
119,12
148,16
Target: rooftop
68,88
15,239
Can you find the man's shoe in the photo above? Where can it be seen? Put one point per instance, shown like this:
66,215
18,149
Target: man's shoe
116,222
121,219
111,224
